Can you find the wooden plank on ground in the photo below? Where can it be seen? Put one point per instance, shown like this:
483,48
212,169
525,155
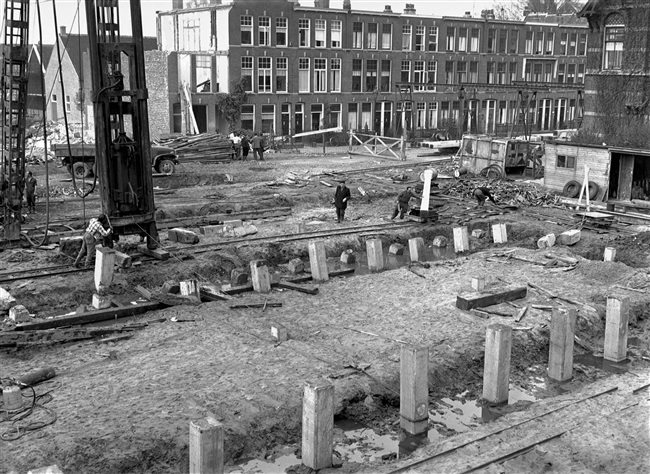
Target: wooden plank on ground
235,290
212,293
310,290
158,253
332,274
266,304
142,291
90,317
468,301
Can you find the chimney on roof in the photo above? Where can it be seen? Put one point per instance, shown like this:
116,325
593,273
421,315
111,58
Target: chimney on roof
468,14
487,14
388,9
62,31
177,4
347,4
322,3
526,12
409,9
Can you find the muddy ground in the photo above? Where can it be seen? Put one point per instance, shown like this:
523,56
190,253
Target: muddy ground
126,406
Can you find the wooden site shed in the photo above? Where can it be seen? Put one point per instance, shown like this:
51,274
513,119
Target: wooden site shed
622,174
478,152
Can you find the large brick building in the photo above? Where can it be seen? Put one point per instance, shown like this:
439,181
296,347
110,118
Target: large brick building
617,80
311,67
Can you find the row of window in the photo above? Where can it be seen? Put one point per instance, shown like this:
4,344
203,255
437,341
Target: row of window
421,115
370,75
414,38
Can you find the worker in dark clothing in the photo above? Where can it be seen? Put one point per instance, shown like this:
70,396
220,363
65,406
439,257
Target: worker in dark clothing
30,190
341,198
258,147
402,204
245,147
482,194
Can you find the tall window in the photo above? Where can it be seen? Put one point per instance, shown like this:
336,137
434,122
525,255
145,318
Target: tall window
264,74
264,31
513,42
449,72
335,74
550,41
573,44
303,32
451,38
564,38
491,70
461,72
502,117
528,47
320,33
353,116
419,37
473,71
561,68
303,74
581,74
539,43
371,75
246,29
432,73
281,74
614,34
571,74
503,42
432,118
268,118
335,115
548,72
420,115
384,85
203,73
247,73
320,75
372,35
357,35
501,73
462,39
491,41
247,117
513,72
386,36
474,40
582,44
336,33
406,37
405,75
281,31
418,74
433,38
357,65
68,104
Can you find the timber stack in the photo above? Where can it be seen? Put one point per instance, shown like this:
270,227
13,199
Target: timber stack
206,147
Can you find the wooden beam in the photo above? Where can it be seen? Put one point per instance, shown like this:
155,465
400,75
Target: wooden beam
90,317
310,290
480,300
255,305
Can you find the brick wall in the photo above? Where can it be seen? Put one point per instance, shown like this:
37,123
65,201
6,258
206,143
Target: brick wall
158,86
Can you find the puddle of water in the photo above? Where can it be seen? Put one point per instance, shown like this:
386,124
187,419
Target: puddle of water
591,360
361,444
272,466
393,262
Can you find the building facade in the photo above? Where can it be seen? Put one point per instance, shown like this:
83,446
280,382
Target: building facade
307,68
617,80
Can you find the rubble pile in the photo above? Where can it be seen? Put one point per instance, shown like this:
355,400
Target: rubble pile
35,144
504,191
206,147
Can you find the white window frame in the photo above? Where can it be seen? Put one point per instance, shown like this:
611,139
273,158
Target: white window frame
304,32
246,24
336,28
357,36
264,30
304,75
432,43
320,75
281,26
264,75
386,37
247,70
281,70
432,115
420,38
373,36
335,74
407,37
320,33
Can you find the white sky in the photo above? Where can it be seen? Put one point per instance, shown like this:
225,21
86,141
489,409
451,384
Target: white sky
66,10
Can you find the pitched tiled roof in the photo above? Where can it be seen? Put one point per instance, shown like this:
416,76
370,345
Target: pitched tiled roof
76,45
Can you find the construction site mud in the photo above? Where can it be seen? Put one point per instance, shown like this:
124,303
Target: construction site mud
125,405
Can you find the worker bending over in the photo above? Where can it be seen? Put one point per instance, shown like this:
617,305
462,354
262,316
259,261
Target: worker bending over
402,205
96,231
482,194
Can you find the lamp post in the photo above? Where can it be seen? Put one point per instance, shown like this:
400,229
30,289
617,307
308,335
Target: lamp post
404,92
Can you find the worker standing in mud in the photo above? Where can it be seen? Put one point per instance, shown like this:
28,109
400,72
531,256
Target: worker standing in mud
96,231
482,194
30,193
258,147
341,198
402,204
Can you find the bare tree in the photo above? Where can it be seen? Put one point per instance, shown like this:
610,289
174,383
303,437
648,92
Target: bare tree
514,9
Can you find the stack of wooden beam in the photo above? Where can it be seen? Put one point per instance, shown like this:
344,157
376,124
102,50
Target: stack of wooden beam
206,147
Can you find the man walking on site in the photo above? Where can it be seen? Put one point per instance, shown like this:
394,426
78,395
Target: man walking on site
245,147
402,205
258,147
341,198
482,194
95,232
30,190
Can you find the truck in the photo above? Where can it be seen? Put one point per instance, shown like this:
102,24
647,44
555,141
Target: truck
82,161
